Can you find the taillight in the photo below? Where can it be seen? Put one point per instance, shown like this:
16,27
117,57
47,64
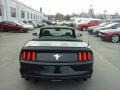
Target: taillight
84,56
28,55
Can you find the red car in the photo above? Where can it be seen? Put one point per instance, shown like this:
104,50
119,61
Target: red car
88,23
110,35
12,26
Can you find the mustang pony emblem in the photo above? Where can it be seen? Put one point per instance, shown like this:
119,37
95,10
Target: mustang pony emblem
57,56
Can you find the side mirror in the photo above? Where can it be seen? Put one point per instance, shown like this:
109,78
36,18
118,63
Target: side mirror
34,34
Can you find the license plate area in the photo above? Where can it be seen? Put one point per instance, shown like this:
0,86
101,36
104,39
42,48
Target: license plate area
57,57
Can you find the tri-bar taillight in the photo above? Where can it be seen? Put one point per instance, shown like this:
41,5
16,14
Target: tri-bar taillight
28,55
84,56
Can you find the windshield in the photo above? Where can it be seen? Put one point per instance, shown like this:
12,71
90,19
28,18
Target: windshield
72,20
79,21
103,24
109,25
21,23
84,21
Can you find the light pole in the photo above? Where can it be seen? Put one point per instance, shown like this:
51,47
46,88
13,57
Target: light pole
105,16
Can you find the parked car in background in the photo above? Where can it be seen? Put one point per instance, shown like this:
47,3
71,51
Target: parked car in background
110,35
32,23
65,22
68,23
74,21
26,22
88,23
30,27
53,22
12,26
109,26
90,29
40,24
47,22
117,20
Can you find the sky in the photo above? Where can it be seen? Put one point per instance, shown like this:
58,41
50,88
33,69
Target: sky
74,6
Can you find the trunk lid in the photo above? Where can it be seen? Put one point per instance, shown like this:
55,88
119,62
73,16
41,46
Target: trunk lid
54,51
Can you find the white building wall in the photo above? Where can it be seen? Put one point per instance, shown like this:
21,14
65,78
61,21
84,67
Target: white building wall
6,16
11,3
2,4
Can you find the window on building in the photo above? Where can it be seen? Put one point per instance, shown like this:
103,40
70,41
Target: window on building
31,15
34,16
13,11
38,16
0,10
28,15
22,14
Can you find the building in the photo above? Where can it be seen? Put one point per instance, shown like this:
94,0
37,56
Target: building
15,10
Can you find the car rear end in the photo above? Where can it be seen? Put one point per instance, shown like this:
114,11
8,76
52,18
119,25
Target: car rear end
42,62
83,26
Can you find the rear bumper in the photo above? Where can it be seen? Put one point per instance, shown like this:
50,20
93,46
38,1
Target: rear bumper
58,71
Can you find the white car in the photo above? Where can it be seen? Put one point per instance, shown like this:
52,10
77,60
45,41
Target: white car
33,23
30,27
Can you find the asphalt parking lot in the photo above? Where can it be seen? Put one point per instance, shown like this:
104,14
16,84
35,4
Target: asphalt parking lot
106,74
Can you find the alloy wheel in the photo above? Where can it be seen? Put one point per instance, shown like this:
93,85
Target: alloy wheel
115,38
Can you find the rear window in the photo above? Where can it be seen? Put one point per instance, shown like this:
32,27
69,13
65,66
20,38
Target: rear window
57,32
109,25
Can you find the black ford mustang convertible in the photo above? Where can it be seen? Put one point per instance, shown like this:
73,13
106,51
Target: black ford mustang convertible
57,53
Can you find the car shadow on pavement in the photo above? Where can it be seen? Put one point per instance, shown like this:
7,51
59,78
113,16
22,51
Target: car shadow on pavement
57,85
13,32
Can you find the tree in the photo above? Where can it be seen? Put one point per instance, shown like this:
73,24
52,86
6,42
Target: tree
67,17
59,17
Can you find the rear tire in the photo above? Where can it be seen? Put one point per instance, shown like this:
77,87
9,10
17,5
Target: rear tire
77,80
27,78
36,80
23,31
115,38
85,79
1,29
